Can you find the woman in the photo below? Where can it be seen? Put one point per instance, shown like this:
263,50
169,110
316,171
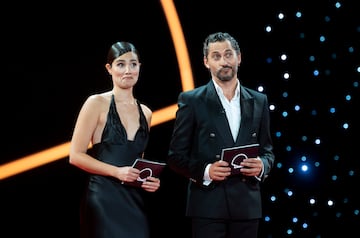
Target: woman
116,125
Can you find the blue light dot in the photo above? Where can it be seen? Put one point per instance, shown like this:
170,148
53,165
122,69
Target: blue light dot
330,203
268,29
304,168
281,16
286,76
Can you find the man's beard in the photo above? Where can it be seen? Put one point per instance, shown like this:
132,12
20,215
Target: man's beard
225,76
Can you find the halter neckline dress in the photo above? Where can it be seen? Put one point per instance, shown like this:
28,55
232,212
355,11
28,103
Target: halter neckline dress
111,209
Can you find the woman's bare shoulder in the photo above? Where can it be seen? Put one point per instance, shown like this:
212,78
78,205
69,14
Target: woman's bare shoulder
146,108
147,112
100,98
97,102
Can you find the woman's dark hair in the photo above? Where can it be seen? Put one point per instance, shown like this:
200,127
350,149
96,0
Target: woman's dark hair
220,37
120,48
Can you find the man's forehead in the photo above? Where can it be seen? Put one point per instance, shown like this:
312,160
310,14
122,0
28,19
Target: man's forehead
220,47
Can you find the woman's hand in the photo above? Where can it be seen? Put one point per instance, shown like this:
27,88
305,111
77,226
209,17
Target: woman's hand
127,174
151,184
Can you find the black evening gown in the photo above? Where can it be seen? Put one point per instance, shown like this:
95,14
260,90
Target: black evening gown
111,209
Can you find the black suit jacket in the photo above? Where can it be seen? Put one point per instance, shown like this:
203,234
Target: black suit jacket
200,132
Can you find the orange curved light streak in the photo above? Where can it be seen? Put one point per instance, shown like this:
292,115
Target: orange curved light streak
179,44
159,116
34,160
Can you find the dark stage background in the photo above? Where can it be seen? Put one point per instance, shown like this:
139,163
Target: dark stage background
53,57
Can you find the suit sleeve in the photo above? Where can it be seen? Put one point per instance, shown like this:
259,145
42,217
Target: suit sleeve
181,142
266,145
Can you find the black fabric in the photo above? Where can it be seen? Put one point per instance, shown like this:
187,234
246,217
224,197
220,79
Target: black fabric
109,208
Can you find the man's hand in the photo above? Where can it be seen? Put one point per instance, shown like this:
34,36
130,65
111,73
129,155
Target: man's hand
251,167
219,170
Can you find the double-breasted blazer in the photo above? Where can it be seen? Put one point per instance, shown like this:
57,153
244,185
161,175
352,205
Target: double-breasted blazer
201,131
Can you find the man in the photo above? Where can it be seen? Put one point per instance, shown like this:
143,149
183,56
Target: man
222,114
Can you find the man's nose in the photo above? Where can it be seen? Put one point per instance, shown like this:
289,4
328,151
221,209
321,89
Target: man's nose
224,61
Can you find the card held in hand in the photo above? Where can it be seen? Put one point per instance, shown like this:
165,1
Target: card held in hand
148,168
234,155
